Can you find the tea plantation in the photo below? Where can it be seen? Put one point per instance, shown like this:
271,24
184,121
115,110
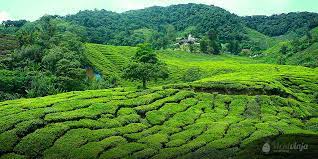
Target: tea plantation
234,102
154,123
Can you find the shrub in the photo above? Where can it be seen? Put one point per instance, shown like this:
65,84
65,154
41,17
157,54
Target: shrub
121,151
42,85
93,149
192,74
144,133
154,141
146,153
35,143
90,112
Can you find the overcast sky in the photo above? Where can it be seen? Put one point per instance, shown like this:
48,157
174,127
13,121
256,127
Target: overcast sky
33,9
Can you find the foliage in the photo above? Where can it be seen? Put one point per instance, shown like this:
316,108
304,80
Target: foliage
204,45
104,83
302,51
42,85
145,66
192,74
214,46
276,25
284,49
105,27
234,47
50,53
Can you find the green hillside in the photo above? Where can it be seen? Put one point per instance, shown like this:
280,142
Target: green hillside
108,59
154,123
306,57
235,102
179,62
186,81
261,40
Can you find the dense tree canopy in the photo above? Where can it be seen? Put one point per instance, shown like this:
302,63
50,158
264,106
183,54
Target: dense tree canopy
284,23
162,23
48,55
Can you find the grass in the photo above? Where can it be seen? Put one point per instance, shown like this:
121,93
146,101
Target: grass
237,101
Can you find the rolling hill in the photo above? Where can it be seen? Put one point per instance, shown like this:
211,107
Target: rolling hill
154,123
161,25
307,57
105,27
112,28
236,102
179,62
210,106
282,24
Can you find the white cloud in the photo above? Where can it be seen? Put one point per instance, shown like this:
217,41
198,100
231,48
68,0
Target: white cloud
4,16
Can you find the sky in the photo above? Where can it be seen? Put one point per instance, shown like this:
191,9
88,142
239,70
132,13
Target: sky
33,9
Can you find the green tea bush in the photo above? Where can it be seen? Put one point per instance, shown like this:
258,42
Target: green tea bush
146,153
93,149
121,151
154,141
34,144
192,74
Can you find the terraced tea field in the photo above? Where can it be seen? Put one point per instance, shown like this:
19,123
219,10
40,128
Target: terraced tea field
155,123
109,59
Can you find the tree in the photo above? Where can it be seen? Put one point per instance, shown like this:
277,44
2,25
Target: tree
234,47
158,40
70,75
112,28
145,66
283,50
192,48
145,72
170,33
281,59
214,46
296,45
14,23
277,25
309,38
51,54
204,45
41,85
145,54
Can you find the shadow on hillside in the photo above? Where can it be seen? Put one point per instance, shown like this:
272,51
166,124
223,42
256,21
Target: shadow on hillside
234,89
272,147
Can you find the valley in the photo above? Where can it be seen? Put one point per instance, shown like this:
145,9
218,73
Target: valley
184,81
